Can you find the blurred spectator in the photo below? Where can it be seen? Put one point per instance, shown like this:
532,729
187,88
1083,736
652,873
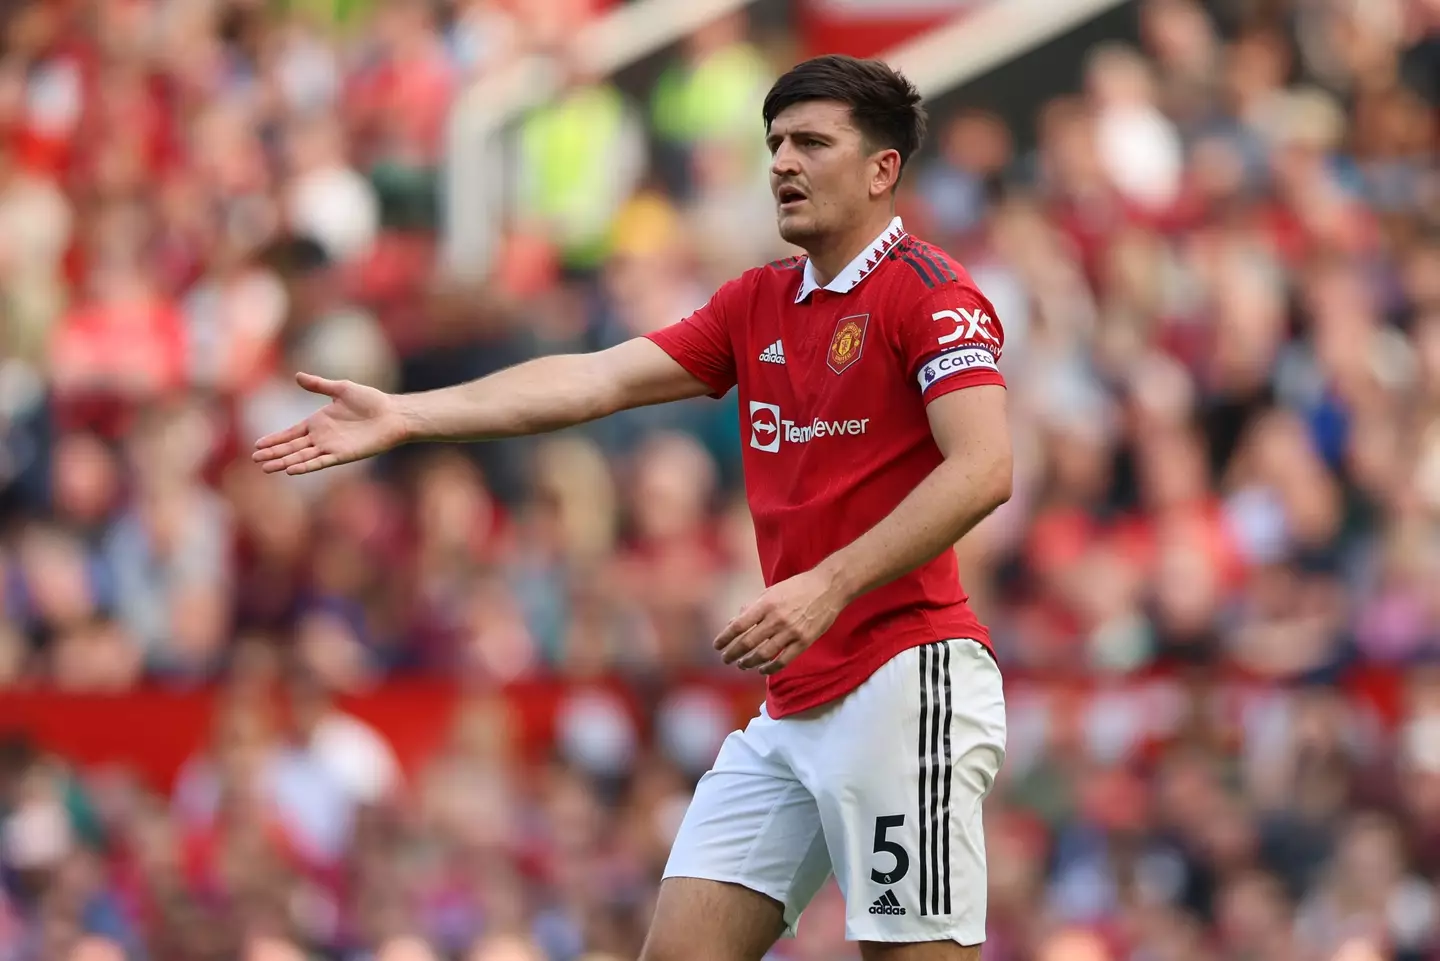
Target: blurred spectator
717,90
329,200
351,751
708,101
405,949
1138,145
251,787
36,222
975,150
580,157
167,553
123,345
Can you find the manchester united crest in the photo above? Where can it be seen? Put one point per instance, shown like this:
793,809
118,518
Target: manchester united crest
848,341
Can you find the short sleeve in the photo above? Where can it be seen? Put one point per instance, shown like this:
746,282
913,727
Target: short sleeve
701,343
951,339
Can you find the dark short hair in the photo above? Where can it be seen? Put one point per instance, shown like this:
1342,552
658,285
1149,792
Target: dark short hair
884,106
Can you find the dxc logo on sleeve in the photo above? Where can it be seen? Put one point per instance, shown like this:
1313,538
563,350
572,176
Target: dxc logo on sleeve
970,326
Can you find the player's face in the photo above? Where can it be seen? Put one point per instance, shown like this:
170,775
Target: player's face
819,172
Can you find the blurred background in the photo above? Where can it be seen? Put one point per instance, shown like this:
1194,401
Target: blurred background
451,704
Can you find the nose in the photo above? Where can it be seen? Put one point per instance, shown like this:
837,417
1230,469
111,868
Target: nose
786,162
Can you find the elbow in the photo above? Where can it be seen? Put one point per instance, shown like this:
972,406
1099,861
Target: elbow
1002,484
981,487
996,482
1002,473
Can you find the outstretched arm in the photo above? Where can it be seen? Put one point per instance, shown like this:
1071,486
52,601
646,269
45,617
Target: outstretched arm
549,393
534,397
974,478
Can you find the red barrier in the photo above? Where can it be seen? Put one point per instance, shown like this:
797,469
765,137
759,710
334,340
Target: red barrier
156,731
153,732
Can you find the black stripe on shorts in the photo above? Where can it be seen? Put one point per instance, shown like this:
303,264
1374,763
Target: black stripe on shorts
934,802
932,757
924,770
949,773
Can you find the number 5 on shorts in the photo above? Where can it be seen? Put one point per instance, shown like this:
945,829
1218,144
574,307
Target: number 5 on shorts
884,845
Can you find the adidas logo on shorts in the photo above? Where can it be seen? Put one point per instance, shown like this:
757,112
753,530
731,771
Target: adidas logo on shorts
887,903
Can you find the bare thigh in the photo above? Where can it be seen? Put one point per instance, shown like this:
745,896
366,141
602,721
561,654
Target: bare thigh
698,920
924,951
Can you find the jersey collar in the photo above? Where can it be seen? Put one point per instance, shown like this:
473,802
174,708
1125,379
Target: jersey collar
858,269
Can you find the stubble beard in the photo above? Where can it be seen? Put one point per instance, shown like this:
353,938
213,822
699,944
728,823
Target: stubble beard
801,234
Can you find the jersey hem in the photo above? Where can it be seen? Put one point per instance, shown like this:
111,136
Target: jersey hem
864,669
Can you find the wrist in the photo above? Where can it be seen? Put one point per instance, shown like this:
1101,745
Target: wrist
409,418
839,579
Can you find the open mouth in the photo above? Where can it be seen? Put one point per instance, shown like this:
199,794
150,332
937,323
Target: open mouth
790,197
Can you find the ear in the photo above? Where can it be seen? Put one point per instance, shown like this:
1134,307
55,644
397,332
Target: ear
884,172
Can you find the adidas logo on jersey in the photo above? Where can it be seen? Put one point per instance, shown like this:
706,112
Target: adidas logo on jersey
774,354
887,903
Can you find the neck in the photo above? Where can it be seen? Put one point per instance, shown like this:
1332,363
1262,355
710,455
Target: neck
831,255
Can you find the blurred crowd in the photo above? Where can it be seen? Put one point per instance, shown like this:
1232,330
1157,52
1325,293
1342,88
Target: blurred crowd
1219,272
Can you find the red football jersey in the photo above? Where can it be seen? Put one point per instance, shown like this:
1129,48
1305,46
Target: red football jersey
833,386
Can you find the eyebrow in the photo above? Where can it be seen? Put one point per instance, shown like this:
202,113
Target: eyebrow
775,139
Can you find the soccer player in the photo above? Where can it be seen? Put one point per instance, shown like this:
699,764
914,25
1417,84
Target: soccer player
876,438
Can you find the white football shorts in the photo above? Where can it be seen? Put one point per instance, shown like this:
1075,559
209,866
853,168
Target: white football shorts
881,787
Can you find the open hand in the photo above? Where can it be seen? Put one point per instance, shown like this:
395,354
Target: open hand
781,623
358,422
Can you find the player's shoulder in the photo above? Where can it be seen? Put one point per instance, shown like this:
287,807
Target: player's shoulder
779,278
759,288
929,267
785,265
777,273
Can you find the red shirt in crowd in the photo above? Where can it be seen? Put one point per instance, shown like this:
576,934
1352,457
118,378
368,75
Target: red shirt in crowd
833,383
108,359
132,349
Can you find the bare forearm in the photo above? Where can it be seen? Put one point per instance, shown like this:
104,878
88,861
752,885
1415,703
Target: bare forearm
540,395
936,514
